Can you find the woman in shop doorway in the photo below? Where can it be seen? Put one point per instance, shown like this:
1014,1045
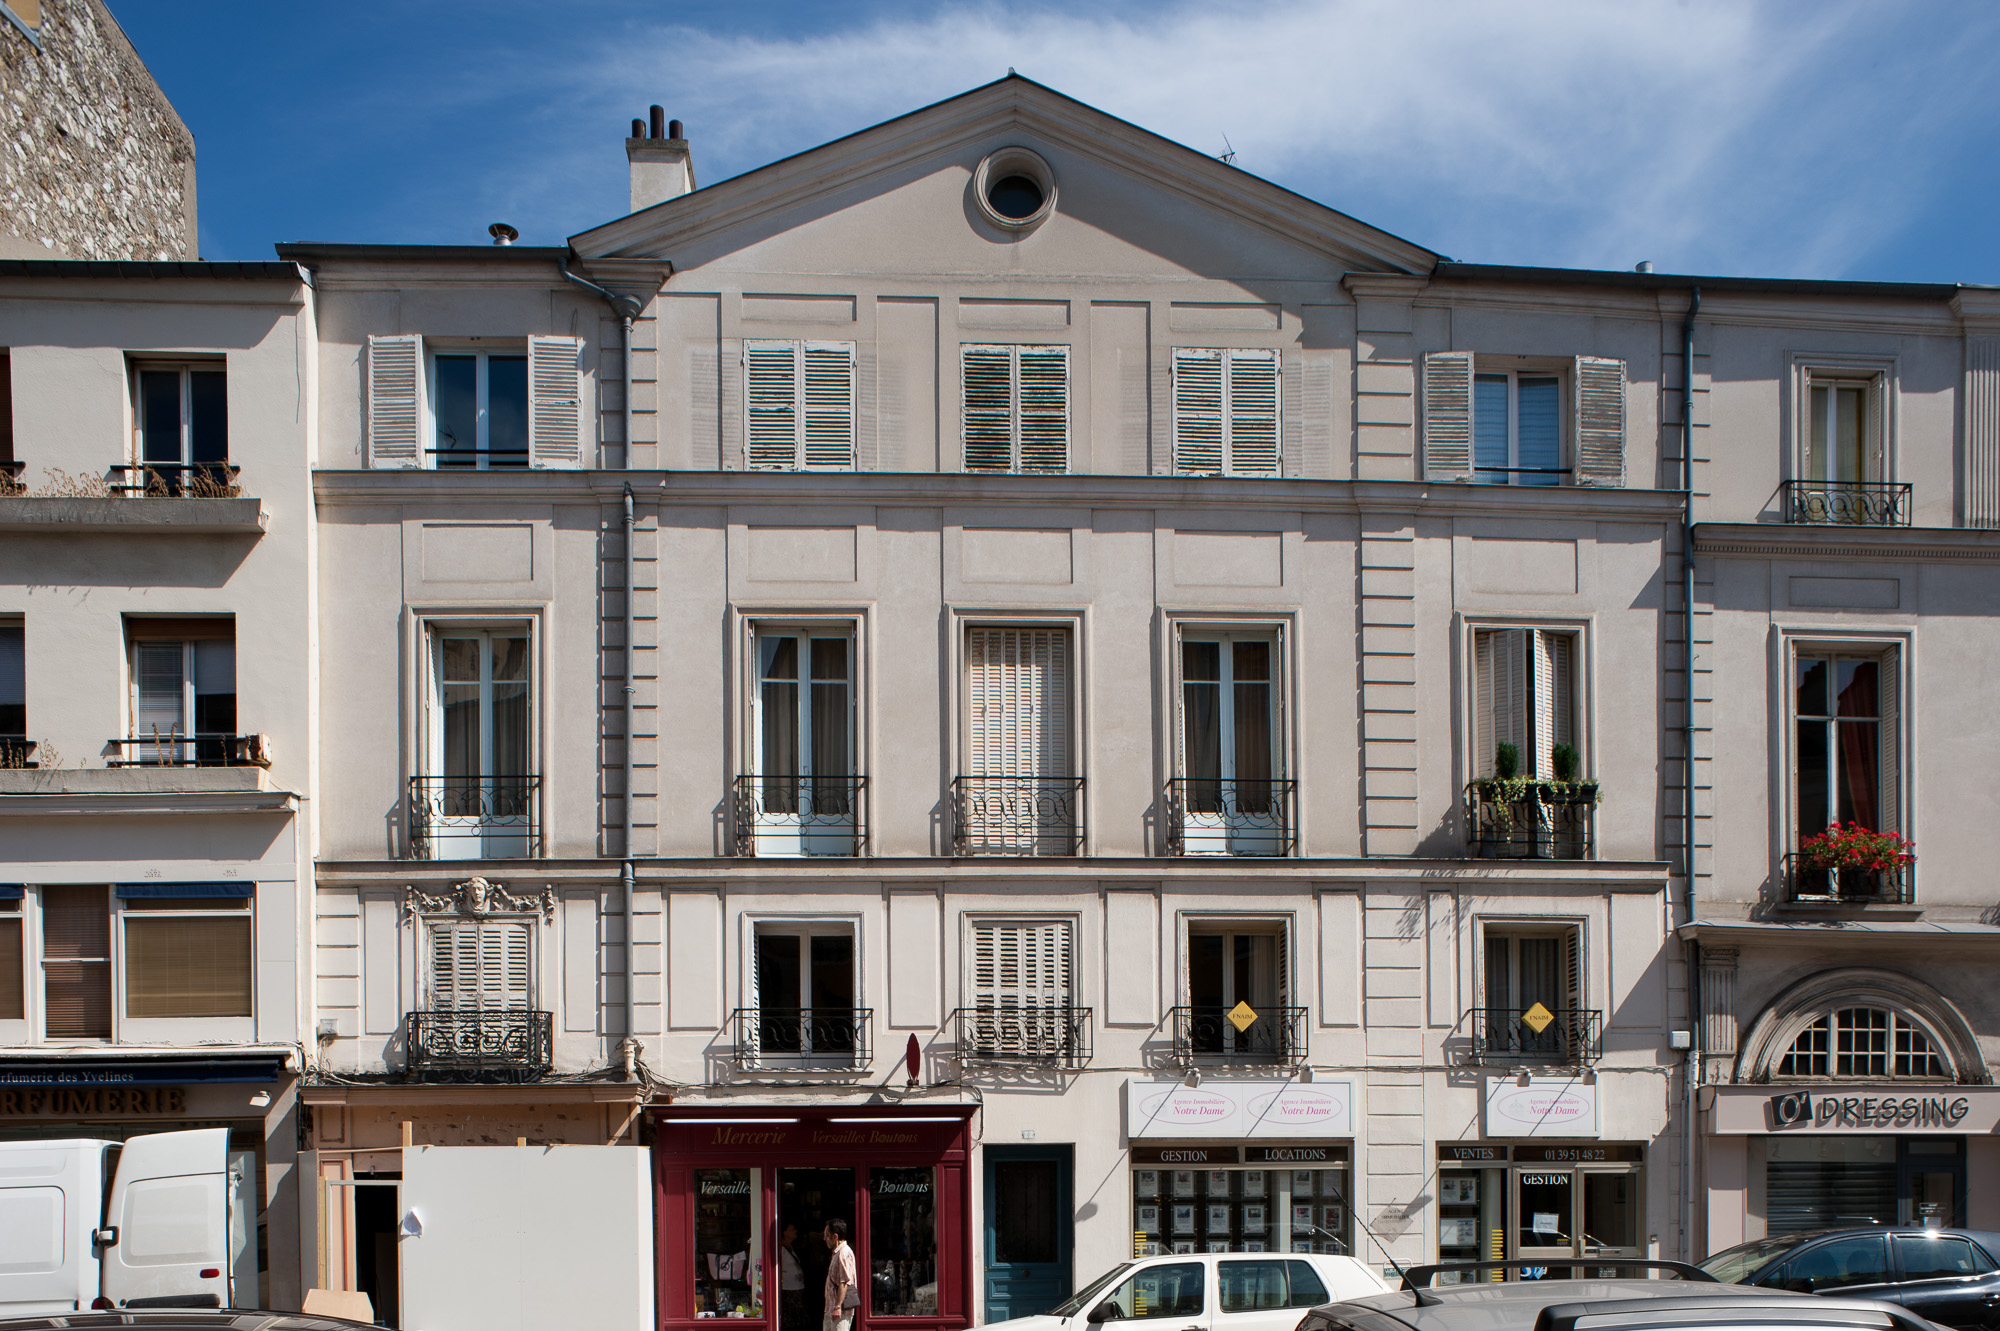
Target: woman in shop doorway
842,1297
791,1282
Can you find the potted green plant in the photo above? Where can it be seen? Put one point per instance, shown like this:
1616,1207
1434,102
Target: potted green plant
1855,862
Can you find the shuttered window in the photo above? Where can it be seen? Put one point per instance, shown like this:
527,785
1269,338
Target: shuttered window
1225,412
1524,694
474,407
1016,408
1508,427
1022,964
1543,966
1823,1182
395,401
555,402
481,965
1018,688
13,682
798,401
76,963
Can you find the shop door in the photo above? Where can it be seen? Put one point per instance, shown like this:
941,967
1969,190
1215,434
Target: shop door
1930,1188
807,1200
1545,1204
1610,1227
1030,1231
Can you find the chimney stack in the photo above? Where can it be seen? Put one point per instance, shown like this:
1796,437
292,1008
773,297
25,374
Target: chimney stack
662,167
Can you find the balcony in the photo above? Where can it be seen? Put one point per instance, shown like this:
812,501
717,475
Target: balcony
500,1045
803,1039
176,480
171,749
1017,815
1847,503
10,478
1050,1036
1571,1037
1847,885
17,751
1211,816
475,817
1530,820
1272,1037
791,815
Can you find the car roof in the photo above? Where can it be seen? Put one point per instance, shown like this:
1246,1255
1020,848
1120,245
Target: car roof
184,1319
1518,1305
1985,1238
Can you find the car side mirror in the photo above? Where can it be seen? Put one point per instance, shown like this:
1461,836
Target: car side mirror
1106,1311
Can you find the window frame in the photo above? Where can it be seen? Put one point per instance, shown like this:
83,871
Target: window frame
14,913
424,731
975,995
805,925
1228,416
800,407
14,665
431,923
1513,370
746,728
1277,632
185,368
1582,694
1784,1042
1793,644
1569,934
482,350
1017,418
1212,923
126,1027
1880,374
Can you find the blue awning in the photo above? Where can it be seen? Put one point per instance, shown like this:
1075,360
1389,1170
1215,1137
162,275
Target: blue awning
183,891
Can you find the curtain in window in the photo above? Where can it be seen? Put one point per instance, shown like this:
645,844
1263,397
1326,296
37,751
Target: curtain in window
1859,745
832,759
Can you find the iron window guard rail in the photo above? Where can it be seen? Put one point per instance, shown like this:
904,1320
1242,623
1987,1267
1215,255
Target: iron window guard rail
501,813
467,459
1017,815
1276,1038
1212,816
1847,885
1573,1035
801,1039
212,480
1050,1034
10,477
1848,503
17,751
1540,824
497,1044
788,814
172,749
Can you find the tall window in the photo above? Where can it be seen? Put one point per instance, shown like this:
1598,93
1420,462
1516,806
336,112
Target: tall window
484,965
1017,796
1526,968
1231,963
803,977
183,690
1016,408
76,963
1022,987
1845,709
1864,1042
182,416
13,693
1494,421
502,404
805,794
798,400
1233,801
477,799
1517,429
1524,694
479,407
187,949
1843,431
13,956
1225,412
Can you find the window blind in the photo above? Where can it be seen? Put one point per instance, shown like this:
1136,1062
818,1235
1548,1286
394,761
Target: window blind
187,966
13,988
1018,687
76,963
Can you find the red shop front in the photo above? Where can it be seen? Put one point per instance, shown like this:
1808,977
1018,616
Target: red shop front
733,1183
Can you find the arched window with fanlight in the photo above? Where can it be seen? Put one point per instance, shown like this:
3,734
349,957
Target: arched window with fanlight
1856,1023
1867,1042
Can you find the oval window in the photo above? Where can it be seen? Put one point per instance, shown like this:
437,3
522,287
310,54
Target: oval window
1016,196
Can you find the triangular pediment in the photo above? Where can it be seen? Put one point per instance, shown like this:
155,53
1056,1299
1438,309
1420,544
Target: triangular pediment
894,197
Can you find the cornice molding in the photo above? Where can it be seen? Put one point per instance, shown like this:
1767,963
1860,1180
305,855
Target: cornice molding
1770,541
149,805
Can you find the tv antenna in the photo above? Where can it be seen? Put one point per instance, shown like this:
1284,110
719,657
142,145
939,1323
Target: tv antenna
1227,158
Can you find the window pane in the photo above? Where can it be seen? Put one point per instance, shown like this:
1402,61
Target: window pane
1172,1290
510,731
461,731
13,681
1489,428
1812,686
160,416
460,660
1818,445
215,688
507,410
208,416
455,402
1834,1265
510,656
76,966
1541,974
1936,1257
1201,707
726,1207
1253,744
1308,1290
1248,1287
187,966
831,753
1859,758
1814,807
1850,435
832,972
13,985
902,1243
1540,440
780,992
1205,971
160,687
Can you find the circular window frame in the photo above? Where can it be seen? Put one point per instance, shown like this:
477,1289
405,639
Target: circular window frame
1014,161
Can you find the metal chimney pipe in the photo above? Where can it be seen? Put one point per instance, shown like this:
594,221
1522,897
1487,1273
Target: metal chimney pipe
638,129
674,130
659,115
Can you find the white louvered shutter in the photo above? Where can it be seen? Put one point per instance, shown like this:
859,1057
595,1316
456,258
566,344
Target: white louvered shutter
1253,413
1021,967
1878,430
1572,944
1198,445
1500,657
1044,409
1019,690
1552,700
771,405
555,402
1448,418
454,966
1888,778
395,401
829,406
1600,421
988,378
1283,966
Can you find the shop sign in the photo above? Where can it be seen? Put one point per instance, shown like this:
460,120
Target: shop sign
166,1070
1853,1109
1185,1155
1295,1155
1545,1107
1239,1109
90,1101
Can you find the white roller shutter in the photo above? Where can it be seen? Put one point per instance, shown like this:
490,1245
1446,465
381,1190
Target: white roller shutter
395,401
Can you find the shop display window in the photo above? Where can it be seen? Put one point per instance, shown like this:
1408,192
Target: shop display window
1239,1210
728,1268
902,1242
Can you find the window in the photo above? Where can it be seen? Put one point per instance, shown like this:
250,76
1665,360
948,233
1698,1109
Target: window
187,949
1231,798
475,405
902,1242
802,978
1225,412
1240,962
1022,988
1268,1285
1173,1289
13,956
1513,421
1526,969
1941,1257
183,692
1017,796
76,963
1862,1260
9,472
1524,694
13,694
1016,408
1864,1042
803,797
1845,707
798,400
484,965
182,415
478,797
1843,427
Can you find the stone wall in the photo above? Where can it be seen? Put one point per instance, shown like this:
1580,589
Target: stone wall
94,161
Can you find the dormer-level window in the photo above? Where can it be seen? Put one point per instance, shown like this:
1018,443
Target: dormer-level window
475,404
1509,420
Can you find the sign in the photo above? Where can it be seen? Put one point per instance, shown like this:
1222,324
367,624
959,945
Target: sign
1295,1155
1460,1153
90,1101
1545,1107
1538,1018
166,1070
1855,1109
1242,1017
1184,1155
1482,1153
1238,1109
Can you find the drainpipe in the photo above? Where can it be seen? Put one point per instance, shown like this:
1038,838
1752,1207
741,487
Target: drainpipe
1693,953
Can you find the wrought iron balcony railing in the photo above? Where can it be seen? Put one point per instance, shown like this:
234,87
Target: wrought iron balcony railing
1539,823
475,817
1275,1036
493,459
1042,1035
1848,503
1570,1035
1210,816
10,478
786,814
498,1044
17,751
1808,885
1017,815
171,749
196,480
802,1039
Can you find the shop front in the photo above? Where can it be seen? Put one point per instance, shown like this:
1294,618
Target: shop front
745,1192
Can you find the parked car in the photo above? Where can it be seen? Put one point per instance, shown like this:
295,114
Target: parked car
1696,1302
182,1319
1227,1291
1951,1276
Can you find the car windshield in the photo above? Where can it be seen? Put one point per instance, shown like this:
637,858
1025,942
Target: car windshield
1090,1291
1733,1265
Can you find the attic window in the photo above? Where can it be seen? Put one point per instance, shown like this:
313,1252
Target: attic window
1015,189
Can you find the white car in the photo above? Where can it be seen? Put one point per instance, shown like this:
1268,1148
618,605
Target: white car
1211,1291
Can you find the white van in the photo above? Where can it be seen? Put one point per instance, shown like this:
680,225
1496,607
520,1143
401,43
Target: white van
139,1224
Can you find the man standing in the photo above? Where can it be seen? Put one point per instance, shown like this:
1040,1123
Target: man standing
842,1297
791,1282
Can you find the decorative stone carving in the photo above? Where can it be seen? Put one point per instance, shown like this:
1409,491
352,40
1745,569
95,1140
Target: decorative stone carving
476,898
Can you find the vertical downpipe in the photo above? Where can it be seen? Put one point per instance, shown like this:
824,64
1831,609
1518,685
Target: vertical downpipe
1695,1023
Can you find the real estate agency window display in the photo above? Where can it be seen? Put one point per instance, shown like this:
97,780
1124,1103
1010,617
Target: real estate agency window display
1192,1199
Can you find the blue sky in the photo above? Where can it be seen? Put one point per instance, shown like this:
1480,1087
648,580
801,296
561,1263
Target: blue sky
1839,138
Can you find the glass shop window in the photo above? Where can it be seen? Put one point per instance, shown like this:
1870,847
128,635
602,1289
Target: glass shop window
728,1268
902,1242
